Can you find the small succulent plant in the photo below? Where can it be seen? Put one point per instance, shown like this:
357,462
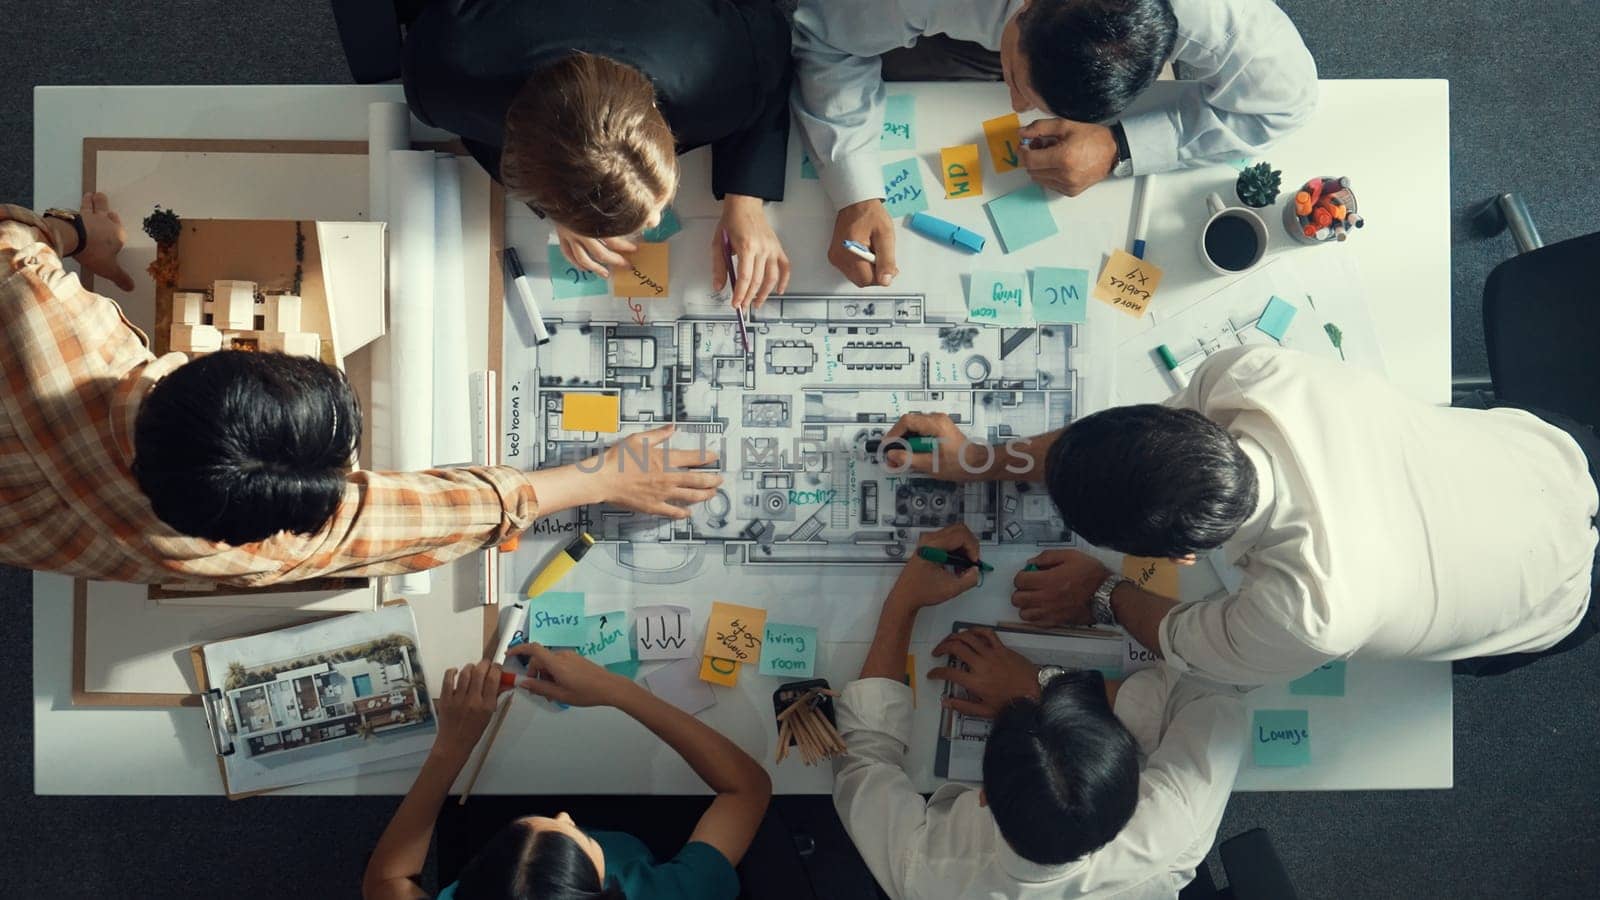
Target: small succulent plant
163,226
1258,185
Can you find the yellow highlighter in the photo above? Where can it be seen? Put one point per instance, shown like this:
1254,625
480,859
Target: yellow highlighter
562,563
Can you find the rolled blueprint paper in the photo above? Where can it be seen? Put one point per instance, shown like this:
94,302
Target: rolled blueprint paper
452,419
388,128
412,232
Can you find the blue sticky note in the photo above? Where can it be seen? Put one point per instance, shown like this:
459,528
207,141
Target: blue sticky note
1281,737
1022,217
998,298
605,638
788,651
555,619
1060,295
899,120
808,169
568,281
902,188
1276,317
1326,681
667,227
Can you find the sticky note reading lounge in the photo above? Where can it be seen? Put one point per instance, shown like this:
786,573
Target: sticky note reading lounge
1060,296
961,171
1022,217
1281,737
1128,283
899,122
998,298
1001,135
788,650
568,281
735,632
591,412
1157,575
555,619
645,274
903,193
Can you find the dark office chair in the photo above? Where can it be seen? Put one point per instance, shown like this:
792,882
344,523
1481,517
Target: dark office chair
1253,869
371,35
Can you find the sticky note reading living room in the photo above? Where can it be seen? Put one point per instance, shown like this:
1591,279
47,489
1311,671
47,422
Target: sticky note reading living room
998,298
788,650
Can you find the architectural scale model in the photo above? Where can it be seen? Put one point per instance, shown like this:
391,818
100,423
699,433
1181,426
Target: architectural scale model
233,316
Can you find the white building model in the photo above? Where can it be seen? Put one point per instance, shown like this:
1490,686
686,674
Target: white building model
228,321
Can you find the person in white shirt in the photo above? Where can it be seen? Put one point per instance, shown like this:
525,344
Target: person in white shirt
1366,523
1089,789
1083,61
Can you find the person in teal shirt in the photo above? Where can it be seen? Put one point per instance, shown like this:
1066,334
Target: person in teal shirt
552,858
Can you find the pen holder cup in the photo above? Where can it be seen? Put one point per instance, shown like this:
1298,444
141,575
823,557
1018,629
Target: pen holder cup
1296,224
786,695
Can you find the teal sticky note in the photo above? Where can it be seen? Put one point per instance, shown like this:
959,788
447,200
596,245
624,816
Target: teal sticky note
998,298
788,651
1281,737
1327,680
1060,295
555,619
902,188
1240,164
666,228
605,638
628,668
568,281
899,120
1276,317
1022,218
808,169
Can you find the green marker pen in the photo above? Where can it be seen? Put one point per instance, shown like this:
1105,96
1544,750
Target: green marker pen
952,558
921,444
1030,567
1171,362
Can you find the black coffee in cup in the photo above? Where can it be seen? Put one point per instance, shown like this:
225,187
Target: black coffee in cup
1232,243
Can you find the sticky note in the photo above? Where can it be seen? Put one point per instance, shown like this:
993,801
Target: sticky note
1281,737
1157,575
1127,283
788,650
808,169
735,632
899,120
902,188
1276,317
1001,134
1060,295
1136,657
719,671
1022,218
646,274
998,298
628,668
666,228
555,619
962,174
1327,680
591,412
680,684
1240,164
605,638
662,632
568,281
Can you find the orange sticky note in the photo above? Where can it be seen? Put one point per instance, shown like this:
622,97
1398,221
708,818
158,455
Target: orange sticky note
1128,283
1001,133
1157,575
735,632
961,171
646,275
719,671
591,412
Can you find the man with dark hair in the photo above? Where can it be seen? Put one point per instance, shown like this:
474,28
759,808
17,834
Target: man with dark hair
1083,61
1090,787
1366,523
234,469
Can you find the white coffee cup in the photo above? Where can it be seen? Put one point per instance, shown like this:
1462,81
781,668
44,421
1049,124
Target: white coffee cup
1229,251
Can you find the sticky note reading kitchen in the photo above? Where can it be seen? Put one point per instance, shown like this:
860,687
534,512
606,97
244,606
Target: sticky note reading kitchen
962,174
645,275
899,122
735,632
605,638
1001,134
1128,283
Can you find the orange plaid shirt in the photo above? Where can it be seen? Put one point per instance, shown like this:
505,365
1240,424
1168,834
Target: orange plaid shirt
75,373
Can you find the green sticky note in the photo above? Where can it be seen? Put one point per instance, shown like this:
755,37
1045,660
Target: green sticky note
605,638
628,668
1327,680
1022,218
998,298
899,120
902,188
1276,317
568,281
555,619
1281,737
808,169
667,227
1060,295
788,651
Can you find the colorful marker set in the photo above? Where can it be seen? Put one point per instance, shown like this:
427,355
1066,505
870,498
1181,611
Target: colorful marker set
1324,209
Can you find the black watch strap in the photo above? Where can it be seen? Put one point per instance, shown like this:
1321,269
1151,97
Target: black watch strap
75,219
1121,137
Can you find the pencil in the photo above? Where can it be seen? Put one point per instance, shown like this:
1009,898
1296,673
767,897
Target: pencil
483,755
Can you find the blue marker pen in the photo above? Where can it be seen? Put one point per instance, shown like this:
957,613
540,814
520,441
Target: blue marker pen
860,250
946,232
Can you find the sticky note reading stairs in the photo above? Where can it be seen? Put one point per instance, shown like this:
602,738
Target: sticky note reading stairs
788,650
1128,283
555,619
568,281
1327,680
663,632
719,671
680,685
1157,575
1060,295
998,298
645,274
1001,134
962,174
899,120
1281,737
666,228
735,632
1276,317
591,412
808,169
605,638
903,193
1022,217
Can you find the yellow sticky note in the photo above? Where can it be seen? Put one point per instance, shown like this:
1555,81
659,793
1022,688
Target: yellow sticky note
719,671
1128,283
591,412
735,632
1157,575
1001,133
646,275
961,171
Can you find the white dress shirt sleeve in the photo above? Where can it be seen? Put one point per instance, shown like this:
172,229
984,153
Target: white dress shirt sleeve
879,806
1248,638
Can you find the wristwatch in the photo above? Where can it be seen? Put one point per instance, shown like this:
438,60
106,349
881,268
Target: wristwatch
1124,164
1048,674
75,219
1100,605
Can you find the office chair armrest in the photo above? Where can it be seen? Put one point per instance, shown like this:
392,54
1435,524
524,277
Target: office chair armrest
369,30
1254,870
1508,211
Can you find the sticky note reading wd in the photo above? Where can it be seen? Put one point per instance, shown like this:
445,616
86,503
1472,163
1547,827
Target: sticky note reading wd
719,671
666,228
662,632
1327,680
735,632
1060,295
962,174
645,275
899,120
1157,575
998,298
1275,319
1281,737
903,193
1128,283
788,650
1001,134
568,281
555,619
591,412
1022,217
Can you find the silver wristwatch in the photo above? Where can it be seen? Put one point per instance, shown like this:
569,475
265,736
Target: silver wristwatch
1101,604
1048,674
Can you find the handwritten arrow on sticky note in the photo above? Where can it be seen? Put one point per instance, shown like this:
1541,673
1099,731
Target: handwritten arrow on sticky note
1011,155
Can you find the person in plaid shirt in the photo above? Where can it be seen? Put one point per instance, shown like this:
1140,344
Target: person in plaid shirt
233,469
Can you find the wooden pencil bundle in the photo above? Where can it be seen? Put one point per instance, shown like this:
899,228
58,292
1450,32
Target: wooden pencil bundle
804,722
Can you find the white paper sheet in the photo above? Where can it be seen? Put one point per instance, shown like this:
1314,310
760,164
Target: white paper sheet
679,684
664,632
452,425
412,233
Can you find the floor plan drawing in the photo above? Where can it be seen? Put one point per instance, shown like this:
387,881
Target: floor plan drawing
798,418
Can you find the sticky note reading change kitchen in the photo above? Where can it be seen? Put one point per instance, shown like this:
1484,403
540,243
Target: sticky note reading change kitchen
568,281
961,171
591,412
998,298
1128,283
1281,737
788,650
645,275
903,193
735,632
555,619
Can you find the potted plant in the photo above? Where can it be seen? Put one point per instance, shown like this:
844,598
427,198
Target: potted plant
1258,185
